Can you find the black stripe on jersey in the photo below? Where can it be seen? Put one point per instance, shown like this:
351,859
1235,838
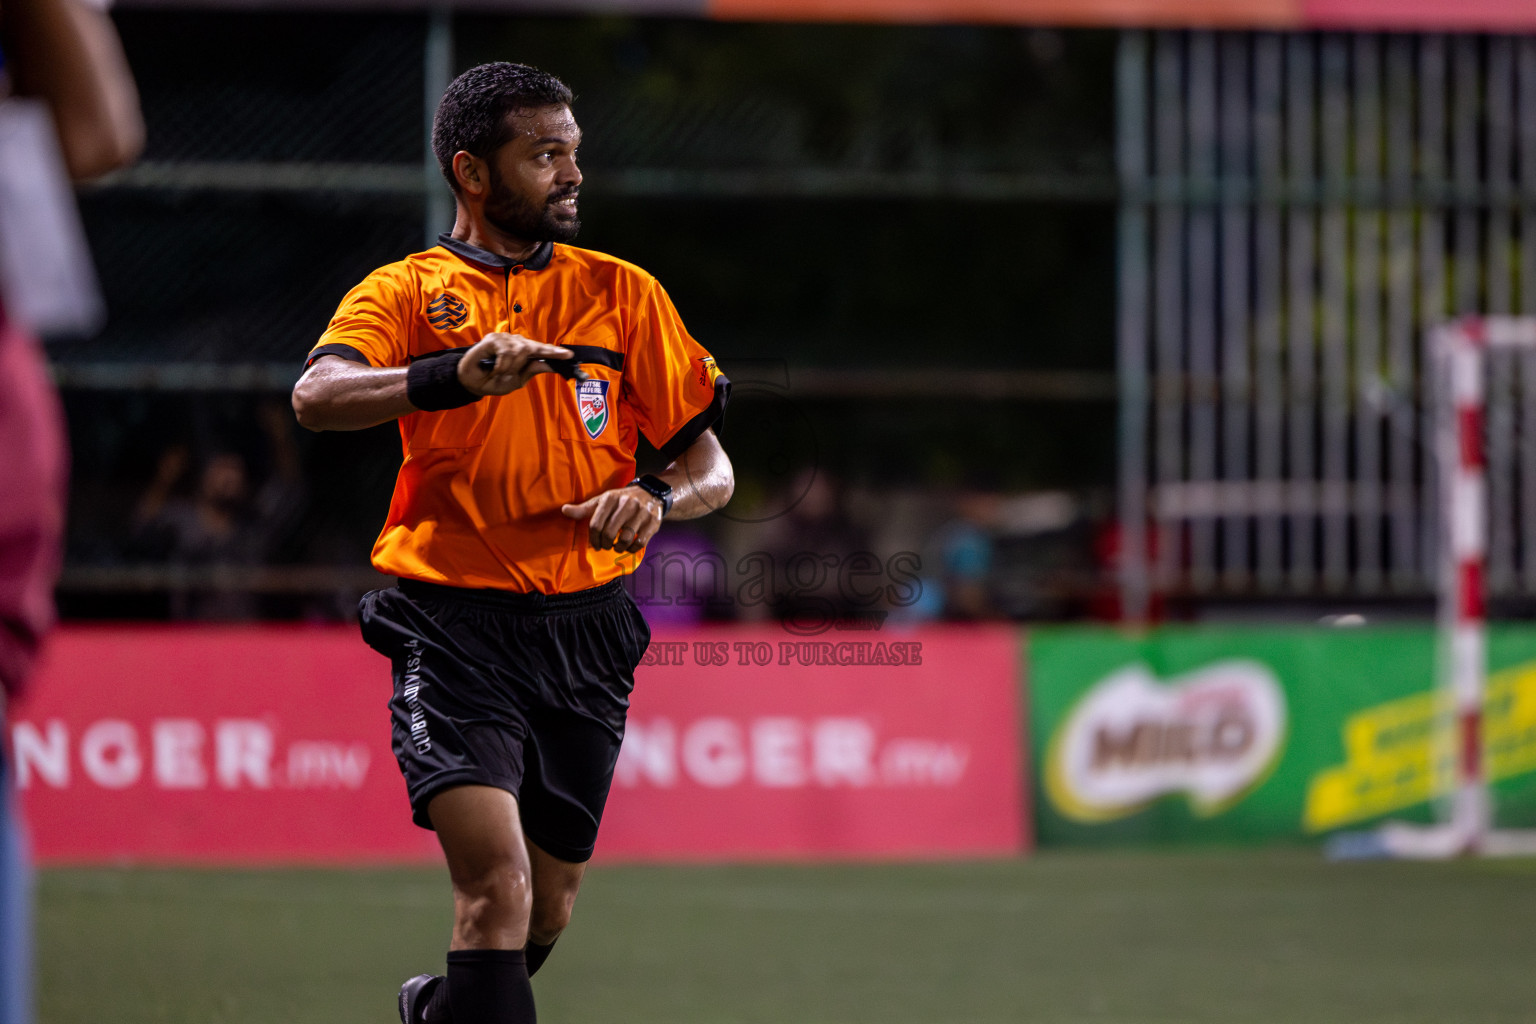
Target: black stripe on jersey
336,348
595,355
441,352
590,354
712,416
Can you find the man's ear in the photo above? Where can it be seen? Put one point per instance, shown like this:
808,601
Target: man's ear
470,172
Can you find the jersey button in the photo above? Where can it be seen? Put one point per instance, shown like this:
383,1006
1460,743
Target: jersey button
517,307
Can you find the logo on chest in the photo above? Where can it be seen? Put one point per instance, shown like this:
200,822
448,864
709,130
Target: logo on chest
447,311
592,405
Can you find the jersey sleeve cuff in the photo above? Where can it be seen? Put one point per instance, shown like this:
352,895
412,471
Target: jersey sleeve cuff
712,416
336,348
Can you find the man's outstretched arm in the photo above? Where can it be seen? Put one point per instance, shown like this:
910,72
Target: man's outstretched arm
338,394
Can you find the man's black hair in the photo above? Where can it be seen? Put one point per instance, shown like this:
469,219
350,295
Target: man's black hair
472,115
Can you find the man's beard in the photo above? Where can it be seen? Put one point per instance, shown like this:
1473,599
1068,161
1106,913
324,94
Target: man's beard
520,218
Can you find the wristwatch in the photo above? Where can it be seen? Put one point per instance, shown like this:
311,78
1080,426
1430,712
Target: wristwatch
657,488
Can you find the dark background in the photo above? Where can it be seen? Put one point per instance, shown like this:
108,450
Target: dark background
857,199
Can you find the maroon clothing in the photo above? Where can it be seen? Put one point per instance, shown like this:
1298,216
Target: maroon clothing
33,469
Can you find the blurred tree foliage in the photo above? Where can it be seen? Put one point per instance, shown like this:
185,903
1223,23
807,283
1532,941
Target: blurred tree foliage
865,96
946,278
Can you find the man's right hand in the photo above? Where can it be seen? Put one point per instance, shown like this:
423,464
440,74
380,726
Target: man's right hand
518,359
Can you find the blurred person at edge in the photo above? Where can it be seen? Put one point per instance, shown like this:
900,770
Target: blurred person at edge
68,55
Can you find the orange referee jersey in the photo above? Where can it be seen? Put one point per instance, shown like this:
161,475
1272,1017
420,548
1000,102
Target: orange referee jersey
477,501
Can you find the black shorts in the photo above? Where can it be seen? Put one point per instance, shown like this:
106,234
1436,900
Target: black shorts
524,692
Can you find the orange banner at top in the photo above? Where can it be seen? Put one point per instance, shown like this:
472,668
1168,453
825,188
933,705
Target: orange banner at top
1462,15
1448,15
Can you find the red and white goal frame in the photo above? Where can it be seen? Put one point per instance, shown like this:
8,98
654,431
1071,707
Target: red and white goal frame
1459,352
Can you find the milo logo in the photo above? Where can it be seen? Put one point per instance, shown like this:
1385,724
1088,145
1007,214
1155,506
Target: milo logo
1211,735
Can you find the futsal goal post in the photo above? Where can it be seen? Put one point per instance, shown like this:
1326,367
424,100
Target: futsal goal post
1458,358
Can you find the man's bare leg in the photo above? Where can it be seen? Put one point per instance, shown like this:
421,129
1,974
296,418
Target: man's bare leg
555,884
482,839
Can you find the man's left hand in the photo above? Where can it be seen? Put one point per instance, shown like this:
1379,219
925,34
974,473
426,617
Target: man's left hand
624,519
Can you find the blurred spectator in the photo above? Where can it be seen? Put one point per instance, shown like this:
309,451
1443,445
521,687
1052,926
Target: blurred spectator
68,55
966,556
224,522
801,571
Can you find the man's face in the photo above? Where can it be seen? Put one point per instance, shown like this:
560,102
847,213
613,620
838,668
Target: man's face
534,179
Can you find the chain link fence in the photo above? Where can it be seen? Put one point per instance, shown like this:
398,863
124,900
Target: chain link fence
916,226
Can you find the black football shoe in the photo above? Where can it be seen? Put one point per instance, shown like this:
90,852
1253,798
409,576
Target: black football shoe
414,996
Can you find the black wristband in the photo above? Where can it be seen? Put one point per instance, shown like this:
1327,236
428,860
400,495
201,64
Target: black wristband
433,384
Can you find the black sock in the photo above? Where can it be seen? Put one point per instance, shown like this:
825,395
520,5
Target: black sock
438,1009
490,986
537,954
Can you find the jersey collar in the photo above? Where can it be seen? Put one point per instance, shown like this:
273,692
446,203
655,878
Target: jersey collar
474,254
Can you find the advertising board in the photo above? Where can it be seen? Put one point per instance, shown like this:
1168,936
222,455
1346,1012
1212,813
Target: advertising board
271,745
1260,733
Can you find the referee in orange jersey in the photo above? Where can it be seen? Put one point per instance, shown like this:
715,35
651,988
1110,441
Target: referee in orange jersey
515,513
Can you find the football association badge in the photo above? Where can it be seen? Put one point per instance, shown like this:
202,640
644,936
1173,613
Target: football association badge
592,404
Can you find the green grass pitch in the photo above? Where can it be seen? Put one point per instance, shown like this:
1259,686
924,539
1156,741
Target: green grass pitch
1149,937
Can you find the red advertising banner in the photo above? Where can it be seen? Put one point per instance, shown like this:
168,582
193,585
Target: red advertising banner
755,743
270,745
212,744
1201,13
1423,15
1398,15
1368,15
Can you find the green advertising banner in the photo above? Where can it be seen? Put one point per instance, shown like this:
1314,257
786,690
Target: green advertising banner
1236,734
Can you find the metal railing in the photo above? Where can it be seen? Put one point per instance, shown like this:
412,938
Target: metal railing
1297,212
